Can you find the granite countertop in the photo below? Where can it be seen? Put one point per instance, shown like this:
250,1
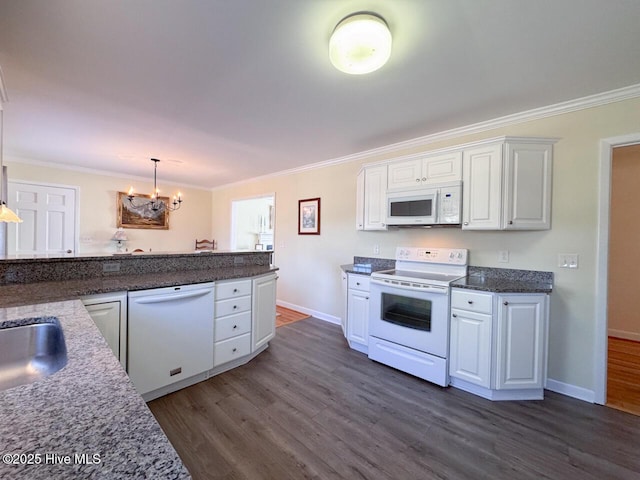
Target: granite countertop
367,265
89,407
44,292
503,280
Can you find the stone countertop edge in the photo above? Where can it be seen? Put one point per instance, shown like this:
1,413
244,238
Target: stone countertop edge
504,280
45,292
88,407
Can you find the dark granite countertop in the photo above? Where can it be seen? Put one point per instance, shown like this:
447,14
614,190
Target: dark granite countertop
367,265
44,292
503,280
89,407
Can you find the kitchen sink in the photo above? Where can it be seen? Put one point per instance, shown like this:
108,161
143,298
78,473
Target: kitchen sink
30,351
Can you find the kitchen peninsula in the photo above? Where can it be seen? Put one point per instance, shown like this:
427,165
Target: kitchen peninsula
89,415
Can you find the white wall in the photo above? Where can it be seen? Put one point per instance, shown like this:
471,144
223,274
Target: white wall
98,213
309,265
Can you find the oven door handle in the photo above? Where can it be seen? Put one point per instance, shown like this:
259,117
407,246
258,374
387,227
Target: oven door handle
411,286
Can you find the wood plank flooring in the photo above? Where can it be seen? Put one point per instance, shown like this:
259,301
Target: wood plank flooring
623,375
284,316
311,408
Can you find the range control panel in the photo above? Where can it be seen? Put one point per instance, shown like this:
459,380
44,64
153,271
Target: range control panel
451,256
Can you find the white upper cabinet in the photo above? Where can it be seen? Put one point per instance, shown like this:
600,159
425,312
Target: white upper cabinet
507,185
425,171
527,191
371,189
482,188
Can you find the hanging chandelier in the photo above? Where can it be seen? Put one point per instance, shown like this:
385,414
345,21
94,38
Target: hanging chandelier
154,202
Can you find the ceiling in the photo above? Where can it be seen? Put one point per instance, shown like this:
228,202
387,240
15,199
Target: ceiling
226,90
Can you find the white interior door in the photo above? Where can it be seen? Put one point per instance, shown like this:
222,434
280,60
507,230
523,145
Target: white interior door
49,219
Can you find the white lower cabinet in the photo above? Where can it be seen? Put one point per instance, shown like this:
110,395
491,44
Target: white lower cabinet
498,344
263,326
358,312
471,347
109,313
520,346
232,333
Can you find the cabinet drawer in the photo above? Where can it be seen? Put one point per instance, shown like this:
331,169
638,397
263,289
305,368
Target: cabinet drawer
233,305
231,349
232,326
359,282
472,301
231,289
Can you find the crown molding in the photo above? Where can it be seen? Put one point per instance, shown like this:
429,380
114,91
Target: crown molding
95,171
599,99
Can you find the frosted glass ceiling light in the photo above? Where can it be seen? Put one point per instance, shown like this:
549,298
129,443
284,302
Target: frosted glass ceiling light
360,43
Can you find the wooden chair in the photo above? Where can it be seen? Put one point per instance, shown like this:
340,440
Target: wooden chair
205,244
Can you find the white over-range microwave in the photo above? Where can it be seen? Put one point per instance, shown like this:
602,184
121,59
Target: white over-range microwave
436,205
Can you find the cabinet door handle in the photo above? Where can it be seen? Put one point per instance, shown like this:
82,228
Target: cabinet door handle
235,290
235,326
235,306
418,180
466,223
454,315
424,179
358,283
506,303
470,302
366,298
234,350
510,222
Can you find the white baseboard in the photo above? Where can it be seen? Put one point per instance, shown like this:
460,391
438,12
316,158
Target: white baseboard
314,313
571,390
624,334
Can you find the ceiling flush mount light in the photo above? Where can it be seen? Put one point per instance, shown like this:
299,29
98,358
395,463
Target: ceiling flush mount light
360,43
154,202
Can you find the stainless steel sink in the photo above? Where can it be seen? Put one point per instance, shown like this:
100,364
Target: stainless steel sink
31,352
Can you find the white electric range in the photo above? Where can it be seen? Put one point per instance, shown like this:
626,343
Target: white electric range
409,311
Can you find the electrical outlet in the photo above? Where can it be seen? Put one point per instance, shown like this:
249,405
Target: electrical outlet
111,267
503,256
376,249
568,260
238,260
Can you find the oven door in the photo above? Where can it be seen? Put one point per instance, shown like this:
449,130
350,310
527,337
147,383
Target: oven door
411,317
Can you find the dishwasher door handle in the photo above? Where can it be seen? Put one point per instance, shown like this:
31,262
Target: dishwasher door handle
171,297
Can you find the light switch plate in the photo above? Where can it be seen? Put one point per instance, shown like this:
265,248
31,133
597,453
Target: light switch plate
568,260
503,256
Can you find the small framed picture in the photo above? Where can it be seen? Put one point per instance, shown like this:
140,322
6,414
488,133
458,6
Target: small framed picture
144,216
309,216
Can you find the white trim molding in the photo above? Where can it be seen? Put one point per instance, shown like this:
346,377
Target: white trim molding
602,261
633,336
314,313
570,390
599,99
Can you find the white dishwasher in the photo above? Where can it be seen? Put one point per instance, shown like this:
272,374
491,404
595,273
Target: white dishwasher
170,334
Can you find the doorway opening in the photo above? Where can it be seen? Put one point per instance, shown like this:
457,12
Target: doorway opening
623,316
253,223
606,250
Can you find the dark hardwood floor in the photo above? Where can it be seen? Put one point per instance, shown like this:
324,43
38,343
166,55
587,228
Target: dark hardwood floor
309,407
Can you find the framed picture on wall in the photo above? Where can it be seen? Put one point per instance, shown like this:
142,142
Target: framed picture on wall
145,217
309,216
